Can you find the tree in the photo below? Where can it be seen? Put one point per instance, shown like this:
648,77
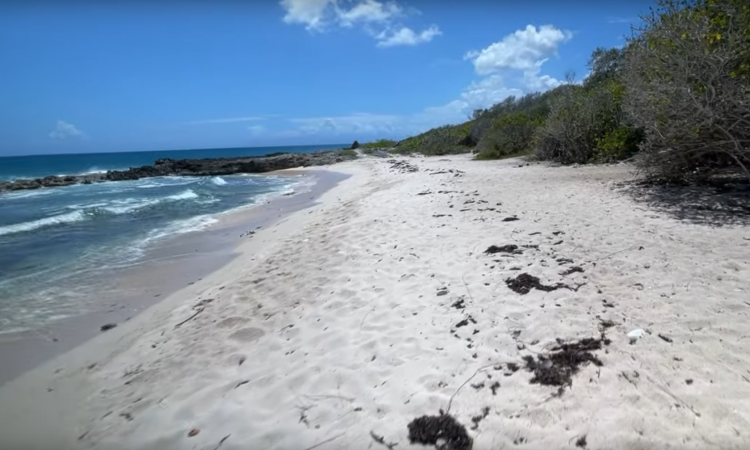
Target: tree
604,64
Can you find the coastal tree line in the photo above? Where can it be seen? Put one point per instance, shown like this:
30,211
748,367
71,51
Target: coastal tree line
675,99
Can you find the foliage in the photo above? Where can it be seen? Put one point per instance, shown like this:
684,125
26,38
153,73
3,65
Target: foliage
509,135
348,152
535,106
380,143
687,74
448,139
587,124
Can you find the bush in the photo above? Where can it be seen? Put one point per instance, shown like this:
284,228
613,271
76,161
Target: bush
380,143
587,123
509,135
687,75
445,140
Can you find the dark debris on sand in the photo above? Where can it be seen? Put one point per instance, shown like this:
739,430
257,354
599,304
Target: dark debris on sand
557,367
479,417
428,430
572,270
524,282
509,248
402,166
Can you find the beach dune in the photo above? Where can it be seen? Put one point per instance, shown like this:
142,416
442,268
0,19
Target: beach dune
339,325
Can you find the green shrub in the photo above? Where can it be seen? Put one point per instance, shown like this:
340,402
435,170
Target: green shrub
380,143
509,135
445,140
619,143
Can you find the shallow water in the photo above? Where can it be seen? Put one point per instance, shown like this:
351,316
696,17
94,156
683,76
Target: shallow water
57,244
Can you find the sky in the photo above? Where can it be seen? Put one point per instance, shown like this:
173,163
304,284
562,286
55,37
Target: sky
84,76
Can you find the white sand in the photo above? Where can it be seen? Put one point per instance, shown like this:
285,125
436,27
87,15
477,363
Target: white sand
336,315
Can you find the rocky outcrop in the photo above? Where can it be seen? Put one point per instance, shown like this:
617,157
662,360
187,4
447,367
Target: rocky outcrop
189,167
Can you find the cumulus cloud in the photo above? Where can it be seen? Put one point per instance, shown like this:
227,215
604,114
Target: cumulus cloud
65,130
525,49
513,66
379,19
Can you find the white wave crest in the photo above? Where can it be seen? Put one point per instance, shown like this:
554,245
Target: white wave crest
74,216
196,223
187,194
218,181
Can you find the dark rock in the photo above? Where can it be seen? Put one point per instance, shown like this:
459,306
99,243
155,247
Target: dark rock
189,167
355,145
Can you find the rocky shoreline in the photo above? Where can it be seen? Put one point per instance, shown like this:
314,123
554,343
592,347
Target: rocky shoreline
189,167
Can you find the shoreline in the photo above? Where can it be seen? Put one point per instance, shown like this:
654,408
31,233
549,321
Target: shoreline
422,286
168,265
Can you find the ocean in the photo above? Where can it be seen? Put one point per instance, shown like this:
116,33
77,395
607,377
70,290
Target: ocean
54,242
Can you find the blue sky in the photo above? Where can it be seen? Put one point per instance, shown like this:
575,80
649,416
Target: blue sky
117,76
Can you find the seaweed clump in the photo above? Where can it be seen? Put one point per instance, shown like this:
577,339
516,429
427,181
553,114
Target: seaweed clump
443,431
564,360
524,283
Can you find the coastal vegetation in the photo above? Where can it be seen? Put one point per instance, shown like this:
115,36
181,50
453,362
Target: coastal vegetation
675,99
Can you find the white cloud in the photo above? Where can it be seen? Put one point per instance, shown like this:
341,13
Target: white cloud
228,120
377,18
369,11
311,13
513,66
406,36
524,50
65,130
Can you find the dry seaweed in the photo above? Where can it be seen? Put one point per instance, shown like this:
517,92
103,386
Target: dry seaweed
524,282
443,431
563,361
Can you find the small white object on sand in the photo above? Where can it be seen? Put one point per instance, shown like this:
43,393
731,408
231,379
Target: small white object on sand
635,335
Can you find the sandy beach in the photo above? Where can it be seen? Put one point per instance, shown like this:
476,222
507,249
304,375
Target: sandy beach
340,324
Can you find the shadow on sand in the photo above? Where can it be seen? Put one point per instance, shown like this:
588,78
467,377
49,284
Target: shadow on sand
715,202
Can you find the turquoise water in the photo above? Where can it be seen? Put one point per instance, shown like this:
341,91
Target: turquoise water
53,241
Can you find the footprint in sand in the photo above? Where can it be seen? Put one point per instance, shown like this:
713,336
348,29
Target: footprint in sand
247,334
